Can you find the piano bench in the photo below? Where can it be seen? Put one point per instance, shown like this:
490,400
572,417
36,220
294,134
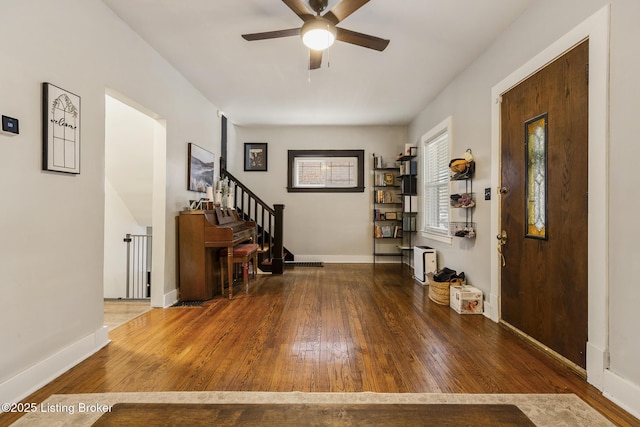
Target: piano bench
242,254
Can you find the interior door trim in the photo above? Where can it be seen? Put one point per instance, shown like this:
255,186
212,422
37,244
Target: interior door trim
596,30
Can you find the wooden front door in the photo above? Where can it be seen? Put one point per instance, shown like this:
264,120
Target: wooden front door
544,184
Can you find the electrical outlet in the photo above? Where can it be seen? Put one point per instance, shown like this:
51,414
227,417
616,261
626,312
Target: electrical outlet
487,193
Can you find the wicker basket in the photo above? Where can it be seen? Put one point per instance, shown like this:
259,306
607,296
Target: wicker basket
439,291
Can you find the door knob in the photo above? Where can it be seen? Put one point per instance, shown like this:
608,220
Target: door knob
503,190
502,240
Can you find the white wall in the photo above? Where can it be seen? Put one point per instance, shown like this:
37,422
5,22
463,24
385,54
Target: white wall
468,100
329,227
52,225
624,251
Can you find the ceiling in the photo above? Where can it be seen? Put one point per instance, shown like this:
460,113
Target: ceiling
267,82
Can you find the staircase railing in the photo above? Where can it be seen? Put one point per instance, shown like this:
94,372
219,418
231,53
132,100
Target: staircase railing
269,221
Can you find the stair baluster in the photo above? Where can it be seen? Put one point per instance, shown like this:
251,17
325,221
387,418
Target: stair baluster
269,223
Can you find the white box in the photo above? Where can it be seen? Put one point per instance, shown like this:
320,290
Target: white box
424,261
465,299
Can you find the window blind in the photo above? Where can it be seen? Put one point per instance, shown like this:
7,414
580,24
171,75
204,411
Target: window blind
436,200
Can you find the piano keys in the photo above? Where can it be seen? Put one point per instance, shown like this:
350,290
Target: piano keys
201,234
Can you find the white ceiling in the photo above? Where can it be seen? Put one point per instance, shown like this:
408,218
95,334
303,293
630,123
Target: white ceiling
267,82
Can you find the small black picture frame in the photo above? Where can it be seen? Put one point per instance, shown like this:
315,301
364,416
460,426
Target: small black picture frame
60,130
255,156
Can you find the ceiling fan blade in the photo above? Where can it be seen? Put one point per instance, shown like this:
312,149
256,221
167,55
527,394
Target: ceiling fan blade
272,34
299,9
343,9
315,59
364,40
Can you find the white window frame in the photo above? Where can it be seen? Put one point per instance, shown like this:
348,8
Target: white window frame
430,228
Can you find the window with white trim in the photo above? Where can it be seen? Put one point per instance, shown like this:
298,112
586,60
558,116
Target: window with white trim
436,182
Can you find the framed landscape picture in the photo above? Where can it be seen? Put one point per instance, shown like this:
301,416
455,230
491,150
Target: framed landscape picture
200,167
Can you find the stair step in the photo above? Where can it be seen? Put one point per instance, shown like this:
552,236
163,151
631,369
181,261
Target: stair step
265,266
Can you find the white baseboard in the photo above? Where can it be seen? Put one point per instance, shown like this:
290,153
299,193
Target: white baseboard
170,298
336,259
493,303
597,363
622,392
487,310
35,377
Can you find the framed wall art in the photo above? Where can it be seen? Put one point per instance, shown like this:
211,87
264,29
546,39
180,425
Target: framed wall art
255,156
200,167
60,130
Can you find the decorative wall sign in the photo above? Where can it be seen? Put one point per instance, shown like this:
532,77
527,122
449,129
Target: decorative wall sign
536,177
61,130
200,168
255,156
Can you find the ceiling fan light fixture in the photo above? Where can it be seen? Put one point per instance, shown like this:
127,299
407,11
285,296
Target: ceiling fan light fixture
318,33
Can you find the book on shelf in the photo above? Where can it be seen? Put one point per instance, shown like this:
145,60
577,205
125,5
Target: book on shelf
378,215
384,196
377,161
409,168
384,179
409,223
408,185
386,231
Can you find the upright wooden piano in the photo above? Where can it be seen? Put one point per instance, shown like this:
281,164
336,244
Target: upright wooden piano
201,234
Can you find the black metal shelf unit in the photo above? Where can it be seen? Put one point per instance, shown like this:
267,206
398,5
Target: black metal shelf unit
408,177
387,224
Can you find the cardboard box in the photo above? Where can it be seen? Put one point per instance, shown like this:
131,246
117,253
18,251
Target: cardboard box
465,299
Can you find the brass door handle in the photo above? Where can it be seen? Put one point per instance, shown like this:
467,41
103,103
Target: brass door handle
502,240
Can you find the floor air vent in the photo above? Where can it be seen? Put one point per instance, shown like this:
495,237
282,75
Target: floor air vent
188,304
304,264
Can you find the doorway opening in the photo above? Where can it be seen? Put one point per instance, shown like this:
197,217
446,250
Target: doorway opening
135,146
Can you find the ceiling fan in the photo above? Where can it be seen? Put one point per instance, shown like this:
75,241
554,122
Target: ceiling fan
319,31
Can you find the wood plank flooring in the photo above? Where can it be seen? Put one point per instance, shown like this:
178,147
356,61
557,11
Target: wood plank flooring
338,328
119,312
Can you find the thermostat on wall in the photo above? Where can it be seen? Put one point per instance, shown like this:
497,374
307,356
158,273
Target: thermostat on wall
10,125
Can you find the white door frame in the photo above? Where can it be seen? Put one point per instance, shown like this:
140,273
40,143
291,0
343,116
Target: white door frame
596,30
159,218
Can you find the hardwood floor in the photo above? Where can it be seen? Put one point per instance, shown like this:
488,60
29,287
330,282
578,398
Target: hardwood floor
345,328
119,312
